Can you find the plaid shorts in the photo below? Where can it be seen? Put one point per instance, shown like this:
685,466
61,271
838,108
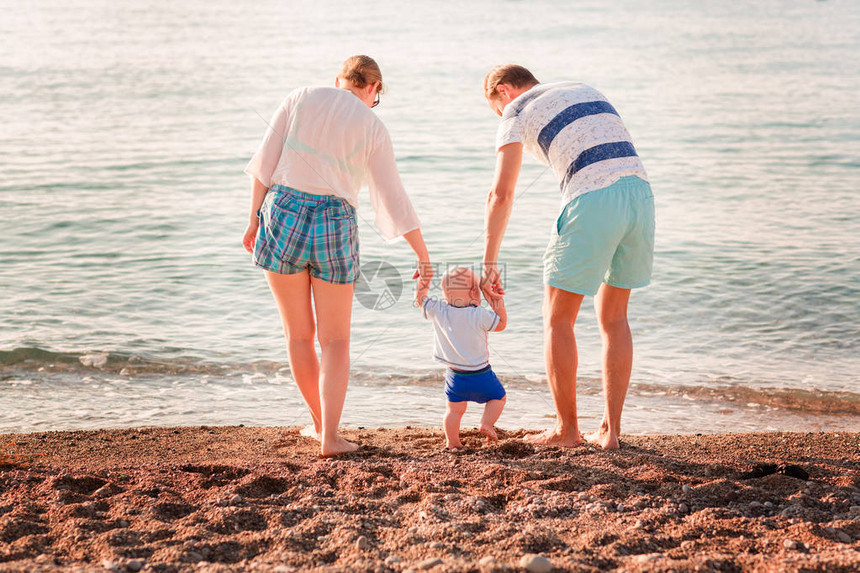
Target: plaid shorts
301,231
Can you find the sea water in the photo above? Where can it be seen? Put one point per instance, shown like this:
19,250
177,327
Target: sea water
127,299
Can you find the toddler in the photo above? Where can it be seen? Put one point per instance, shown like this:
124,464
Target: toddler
460,327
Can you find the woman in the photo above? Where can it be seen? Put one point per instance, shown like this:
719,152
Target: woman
322,145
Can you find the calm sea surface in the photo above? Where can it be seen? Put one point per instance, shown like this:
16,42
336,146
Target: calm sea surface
127,299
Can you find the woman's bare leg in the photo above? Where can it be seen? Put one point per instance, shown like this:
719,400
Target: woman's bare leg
293,295
334,317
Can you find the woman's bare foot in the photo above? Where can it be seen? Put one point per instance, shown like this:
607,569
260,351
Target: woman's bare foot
603,439
310,432
490,432
337,447
555,437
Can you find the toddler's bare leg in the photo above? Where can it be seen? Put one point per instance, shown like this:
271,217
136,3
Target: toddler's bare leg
492,411
451,423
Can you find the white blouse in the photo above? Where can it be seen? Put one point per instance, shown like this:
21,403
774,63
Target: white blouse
325,141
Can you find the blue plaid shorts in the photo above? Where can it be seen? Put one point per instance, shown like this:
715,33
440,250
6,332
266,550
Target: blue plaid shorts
301,231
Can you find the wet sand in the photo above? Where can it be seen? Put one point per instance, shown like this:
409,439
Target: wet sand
259,499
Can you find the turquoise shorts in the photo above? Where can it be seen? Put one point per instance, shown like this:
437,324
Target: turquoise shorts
603,236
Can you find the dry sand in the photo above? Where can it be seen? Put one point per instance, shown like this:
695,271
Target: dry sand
245,499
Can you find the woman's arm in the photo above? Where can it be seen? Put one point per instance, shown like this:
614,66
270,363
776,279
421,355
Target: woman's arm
258,193
394,214
424,272
263,165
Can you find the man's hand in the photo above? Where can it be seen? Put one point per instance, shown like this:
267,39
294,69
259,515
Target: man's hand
424,274
491,282
251,235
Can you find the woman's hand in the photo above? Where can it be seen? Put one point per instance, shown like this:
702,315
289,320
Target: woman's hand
424,274
491,282
251,234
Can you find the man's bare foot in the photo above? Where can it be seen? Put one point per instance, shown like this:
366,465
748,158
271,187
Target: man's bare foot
602,439
490,432
554,437
337,447
310,432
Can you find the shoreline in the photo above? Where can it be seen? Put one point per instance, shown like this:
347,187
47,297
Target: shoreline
233,498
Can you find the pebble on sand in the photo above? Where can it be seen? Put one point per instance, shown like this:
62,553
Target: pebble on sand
362,544
429,563
789,544
535,563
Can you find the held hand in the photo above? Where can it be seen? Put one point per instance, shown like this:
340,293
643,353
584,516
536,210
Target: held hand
491,282
251,235
424,274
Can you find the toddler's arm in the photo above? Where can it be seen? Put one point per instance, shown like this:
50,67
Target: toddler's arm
425,303
498,306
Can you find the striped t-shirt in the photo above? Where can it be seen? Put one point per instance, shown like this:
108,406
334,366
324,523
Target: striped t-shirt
572,128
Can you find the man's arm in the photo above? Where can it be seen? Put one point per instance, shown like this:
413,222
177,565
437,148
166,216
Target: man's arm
499,204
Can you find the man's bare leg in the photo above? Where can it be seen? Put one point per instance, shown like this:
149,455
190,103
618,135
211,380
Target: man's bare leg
492,411
451,423
611,307
560,310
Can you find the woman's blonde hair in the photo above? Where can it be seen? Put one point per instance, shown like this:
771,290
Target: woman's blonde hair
362,71
517,76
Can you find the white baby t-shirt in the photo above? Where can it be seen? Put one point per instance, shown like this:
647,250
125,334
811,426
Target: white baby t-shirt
460,333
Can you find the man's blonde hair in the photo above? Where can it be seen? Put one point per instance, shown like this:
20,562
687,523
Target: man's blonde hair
512,74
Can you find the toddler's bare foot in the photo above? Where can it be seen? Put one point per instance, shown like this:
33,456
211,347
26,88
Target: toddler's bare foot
337,447
490,432
603,439
310,432
454,446
555,437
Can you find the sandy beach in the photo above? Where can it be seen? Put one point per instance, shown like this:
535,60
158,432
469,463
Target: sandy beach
259,499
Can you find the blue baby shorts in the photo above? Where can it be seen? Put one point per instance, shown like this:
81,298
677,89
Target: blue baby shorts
479,386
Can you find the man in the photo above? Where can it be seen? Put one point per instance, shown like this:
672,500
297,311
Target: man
603,240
